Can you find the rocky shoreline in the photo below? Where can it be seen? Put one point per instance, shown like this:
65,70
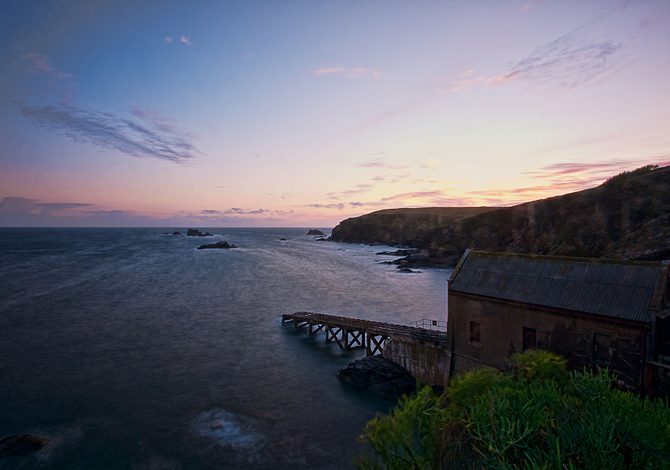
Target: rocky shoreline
414,259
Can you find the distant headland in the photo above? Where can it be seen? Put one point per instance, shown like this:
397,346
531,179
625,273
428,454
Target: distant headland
627,217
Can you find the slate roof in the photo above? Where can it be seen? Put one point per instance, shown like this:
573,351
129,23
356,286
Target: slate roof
620,289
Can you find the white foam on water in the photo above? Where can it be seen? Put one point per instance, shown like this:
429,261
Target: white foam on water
226,429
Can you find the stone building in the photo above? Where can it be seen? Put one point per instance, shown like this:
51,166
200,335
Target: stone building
596,313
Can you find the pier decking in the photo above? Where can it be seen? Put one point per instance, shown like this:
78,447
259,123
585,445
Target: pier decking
352,333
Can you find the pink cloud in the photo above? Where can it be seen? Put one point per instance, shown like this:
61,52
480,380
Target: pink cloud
565,177
328,71
414,195
463,82
41,63
348,72
528,6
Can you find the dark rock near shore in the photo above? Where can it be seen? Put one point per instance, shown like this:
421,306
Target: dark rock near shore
220,245
379,375
21,444
316,232
401,252
176,232
444,259
194,232
426,259
322,239
407,270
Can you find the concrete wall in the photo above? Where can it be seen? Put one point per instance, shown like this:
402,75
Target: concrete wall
428,363
501,334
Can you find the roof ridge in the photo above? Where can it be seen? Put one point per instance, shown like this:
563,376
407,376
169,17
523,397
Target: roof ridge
578,259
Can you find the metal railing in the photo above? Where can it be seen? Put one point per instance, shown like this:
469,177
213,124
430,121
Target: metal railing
428,324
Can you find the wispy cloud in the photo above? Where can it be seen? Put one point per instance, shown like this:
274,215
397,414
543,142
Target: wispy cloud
19,205
414,195
348,72
528,6
380,163
143,135
357,189
335,205
238,211
589,171
574,59
167,40
186,40
463,82
571,168
21,211
340,206
42,64
565,177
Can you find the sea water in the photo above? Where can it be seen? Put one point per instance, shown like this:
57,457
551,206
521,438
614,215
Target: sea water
130,348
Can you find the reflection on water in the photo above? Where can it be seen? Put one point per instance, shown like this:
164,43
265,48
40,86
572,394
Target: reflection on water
163,356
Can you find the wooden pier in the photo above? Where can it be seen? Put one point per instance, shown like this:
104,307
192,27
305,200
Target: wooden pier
353,333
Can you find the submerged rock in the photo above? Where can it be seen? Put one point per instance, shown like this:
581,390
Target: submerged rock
379,375
21,444
283,239
176,232
316,232
221,245
194,232
322,239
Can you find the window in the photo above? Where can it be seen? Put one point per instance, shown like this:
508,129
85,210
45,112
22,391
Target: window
475,333
601,348
529,338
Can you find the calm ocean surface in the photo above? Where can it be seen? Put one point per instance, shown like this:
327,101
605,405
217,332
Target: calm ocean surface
132,349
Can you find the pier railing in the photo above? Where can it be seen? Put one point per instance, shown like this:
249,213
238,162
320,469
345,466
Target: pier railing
429,324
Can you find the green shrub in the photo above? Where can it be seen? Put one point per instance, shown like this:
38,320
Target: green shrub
464,389
539,365
539,417
409,437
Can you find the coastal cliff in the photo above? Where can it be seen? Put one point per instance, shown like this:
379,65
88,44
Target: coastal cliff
628,216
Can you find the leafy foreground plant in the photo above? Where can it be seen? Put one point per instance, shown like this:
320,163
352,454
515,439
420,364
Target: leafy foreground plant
540,417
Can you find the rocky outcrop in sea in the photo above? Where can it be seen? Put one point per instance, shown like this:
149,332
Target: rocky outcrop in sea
218,245
378,375
194,232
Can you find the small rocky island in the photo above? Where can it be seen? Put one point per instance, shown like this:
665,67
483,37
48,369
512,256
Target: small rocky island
316,233
224,245
194,232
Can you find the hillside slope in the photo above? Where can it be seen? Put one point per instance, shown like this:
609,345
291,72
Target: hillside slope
626,217
421,227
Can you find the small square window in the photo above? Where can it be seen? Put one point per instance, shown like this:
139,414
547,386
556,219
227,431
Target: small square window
475,333
529,338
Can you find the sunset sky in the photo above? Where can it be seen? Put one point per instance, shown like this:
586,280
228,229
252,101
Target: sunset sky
291,113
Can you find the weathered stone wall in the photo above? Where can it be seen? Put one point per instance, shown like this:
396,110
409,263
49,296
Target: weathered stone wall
428,363
501,334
